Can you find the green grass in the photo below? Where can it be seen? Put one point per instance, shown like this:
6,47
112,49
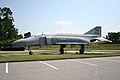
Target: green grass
103,47
51,57
12,57
16,52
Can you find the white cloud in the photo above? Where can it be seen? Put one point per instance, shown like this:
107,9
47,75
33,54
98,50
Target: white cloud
63,23
65,26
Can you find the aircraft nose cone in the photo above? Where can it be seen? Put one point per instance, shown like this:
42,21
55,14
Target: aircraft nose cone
20,42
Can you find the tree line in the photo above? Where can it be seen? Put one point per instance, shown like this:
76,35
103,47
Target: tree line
8,32
114,37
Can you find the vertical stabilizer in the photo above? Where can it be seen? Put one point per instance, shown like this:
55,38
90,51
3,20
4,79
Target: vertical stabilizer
95,31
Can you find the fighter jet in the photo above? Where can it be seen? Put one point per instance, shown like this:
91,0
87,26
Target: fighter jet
93,36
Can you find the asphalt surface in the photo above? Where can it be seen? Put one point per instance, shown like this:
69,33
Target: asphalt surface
106,68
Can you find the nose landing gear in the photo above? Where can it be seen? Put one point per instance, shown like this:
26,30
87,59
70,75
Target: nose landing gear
30,51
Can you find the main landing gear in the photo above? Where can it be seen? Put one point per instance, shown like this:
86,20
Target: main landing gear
62,48
81,51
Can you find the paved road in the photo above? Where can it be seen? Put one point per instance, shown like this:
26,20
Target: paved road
107,68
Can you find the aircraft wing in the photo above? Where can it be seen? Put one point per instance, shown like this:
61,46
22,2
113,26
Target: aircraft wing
67,43
70,40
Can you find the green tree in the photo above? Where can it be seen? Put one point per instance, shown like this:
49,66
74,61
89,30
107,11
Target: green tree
8,32
28,34
114,37
20,36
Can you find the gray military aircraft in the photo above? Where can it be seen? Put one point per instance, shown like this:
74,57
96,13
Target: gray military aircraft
93,36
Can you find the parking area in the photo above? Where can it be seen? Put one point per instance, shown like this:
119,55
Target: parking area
105,68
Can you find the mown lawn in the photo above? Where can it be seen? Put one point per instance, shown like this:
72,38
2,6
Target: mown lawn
52,57
24,56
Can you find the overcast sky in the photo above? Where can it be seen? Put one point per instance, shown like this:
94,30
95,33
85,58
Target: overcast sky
64,16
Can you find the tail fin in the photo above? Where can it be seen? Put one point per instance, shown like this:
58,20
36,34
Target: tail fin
95,31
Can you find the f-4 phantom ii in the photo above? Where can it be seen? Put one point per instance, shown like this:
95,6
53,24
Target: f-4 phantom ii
93,36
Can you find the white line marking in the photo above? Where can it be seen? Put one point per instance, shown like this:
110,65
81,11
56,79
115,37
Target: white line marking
49,65
84,62
6,67
108,60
